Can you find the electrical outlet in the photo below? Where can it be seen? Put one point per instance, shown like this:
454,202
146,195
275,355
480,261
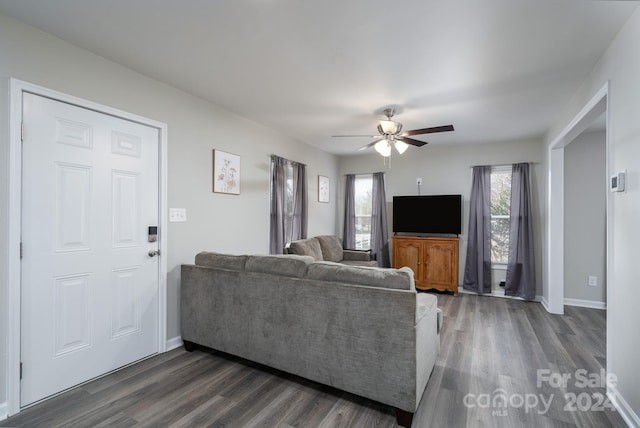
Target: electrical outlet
419,181
177,215
593,281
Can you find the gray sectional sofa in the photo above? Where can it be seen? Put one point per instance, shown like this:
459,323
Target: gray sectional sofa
363,330
329,248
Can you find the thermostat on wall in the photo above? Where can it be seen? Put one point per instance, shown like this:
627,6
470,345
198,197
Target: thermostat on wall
618,181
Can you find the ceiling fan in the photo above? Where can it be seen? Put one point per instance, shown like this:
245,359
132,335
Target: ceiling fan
391,135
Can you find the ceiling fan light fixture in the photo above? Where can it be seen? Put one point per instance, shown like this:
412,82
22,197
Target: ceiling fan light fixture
401,146
390,127
391,134
383,147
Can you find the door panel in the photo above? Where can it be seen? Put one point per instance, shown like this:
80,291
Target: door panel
439,259
126,309
125,209
408,254
73,213
89,287
72,326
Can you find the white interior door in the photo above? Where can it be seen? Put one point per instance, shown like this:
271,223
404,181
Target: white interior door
89,284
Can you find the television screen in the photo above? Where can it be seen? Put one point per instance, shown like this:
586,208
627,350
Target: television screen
427,214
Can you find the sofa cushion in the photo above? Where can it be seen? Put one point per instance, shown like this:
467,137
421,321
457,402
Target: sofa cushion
218,260
370,263
401,279
356,255
331,248
307,247
287,265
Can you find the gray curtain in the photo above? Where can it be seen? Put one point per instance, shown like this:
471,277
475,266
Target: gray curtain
379,231
299,226
349,233
477,271
521,279
278,201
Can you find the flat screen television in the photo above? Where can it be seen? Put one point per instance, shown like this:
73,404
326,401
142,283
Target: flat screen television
437,214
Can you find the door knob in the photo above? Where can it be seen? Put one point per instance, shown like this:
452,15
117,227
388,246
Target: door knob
153,253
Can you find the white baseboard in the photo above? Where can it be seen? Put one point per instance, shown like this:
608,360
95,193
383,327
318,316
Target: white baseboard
4,408
497,293
625,410
593,304
545,304
174,343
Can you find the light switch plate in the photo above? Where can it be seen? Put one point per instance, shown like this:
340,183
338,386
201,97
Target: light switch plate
177,215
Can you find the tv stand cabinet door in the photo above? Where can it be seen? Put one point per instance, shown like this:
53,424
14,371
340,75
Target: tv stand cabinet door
409,252
441,264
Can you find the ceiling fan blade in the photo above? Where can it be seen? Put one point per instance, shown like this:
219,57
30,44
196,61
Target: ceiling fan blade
445,128
370,144
411,141
368,136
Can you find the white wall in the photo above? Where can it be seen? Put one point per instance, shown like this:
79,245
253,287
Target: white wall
447,170
585,203
620,65
217,222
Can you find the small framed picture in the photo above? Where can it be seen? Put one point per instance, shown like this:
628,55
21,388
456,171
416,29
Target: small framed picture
323,188
226,172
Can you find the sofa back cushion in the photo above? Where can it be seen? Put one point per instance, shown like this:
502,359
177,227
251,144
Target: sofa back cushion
218,260
401,279
307,247
331,248
286,265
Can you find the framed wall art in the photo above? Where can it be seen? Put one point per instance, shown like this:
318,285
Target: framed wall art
226,172
323,188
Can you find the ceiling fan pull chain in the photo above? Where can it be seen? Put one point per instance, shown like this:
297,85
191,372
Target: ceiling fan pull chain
384,161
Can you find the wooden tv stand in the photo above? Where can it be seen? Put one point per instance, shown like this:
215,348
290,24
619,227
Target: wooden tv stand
433,259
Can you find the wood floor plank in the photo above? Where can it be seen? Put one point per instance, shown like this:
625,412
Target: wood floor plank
343,415
257,399
206,412
489,346
274,414
317,404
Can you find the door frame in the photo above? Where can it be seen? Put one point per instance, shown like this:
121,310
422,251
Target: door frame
16,89
553,296
597,105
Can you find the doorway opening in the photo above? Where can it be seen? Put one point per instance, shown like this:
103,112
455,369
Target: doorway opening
555,287
585,203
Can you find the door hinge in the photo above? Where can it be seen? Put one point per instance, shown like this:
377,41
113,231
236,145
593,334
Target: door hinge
20,370
21,251
22,132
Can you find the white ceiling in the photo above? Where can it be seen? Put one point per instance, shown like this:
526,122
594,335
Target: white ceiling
498,70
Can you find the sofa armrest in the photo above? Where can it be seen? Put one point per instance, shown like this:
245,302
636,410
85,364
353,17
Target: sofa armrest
359,255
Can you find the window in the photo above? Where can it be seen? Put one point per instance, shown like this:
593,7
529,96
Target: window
500,210
363,207
289,202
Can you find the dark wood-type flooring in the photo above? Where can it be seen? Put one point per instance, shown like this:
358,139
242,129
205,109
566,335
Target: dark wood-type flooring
489,346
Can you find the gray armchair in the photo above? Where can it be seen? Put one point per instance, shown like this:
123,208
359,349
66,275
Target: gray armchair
329,248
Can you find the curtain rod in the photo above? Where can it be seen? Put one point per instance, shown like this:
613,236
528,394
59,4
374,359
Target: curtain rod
506,164
288,160
365,173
